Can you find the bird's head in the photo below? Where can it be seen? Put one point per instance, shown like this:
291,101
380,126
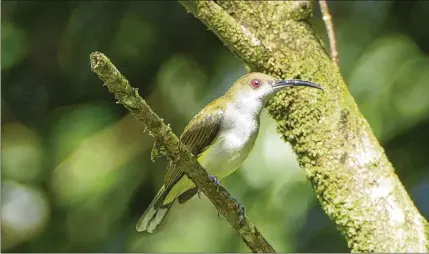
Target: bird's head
261,87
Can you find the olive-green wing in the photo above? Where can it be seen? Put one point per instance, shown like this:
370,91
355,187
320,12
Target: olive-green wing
197,136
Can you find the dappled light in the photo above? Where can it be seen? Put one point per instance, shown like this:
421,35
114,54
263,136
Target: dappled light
76,166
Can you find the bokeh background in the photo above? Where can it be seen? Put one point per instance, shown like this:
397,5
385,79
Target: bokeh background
76,168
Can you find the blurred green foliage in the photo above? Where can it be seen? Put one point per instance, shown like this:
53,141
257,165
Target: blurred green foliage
76,169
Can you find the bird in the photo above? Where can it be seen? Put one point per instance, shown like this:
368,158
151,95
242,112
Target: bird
221,137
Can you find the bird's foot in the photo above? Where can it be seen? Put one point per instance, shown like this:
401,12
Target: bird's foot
240,210
216,182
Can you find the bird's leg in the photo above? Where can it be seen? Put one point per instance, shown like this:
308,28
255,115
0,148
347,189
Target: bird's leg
240,210
216,182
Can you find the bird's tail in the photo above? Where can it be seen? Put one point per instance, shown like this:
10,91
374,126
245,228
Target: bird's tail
154,216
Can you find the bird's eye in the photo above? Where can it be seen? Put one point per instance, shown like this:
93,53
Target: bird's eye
255,83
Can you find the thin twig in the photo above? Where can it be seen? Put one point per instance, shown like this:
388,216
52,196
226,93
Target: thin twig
177,152
327,18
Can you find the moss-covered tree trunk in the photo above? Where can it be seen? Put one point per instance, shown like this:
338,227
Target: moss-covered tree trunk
348,169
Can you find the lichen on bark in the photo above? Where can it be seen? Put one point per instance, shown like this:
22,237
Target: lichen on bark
351,176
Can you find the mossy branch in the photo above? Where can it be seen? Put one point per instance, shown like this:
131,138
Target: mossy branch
348,169
177,152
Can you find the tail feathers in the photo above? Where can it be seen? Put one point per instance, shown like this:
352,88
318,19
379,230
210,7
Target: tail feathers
155,214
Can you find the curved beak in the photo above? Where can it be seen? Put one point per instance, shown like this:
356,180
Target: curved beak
294,82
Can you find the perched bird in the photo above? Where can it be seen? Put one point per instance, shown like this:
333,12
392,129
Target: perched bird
221,136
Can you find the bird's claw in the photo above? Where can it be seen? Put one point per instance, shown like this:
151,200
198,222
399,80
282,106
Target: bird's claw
216,182
240,210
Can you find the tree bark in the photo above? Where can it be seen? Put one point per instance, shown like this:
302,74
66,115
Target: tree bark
348,169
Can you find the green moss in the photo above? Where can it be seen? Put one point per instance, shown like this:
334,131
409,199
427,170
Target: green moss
333,142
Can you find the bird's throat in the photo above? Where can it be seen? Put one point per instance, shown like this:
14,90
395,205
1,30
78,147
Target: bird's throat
246,105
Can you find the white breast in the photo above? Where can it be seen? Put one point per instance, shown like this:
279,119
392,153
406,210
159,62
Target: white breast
238,129
233,144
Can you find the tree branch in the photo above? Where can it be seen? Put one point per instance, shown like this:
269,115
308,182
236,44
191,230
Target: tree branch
176,151
348,169
327,18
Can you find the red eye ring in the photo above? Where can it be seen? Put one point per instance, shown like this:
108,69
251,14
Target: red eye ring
255,83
